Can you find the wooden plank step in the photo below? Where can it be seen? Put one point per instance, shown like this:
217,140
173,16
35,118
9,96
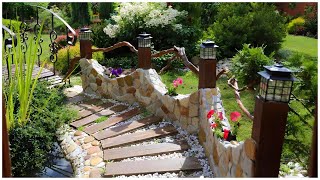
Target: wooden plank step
119,108
146,150
137,137
87,105
152,166
92,109
112,121
126,127
91,118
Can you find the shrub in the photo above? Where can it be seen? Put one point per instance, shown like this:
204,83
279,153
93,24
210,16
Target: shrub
15,25
296,26
248,62
30,144
253,23
99,38
134,18
62,63
127,61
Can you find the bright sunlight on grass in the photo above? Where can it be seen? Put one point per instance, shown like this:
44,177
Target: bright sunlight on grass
301,44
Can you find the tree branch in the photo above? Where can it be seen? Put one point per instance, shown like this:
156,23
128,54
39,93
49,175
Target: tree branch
168,64
232,82
161,53
182,54
115,46
225,70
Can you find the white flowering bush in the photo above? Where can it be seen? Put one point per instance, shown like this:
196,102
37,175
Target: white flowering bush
165,24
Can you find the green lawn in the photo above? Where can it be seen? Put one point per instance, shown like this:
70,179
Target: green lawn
190,84
301,44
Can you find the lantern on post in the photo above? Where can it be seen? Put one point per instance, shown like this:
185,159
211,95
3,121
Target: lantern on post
85,43
207,65
144,50
270,117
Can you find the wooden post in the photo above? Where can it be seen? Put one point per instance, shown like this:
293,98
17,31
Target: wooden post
207,73
144,57
85,43
6,162
268,131
313,164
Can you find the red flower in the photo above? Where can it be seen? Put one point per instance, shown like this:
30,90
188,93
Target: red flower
175,84
220,116
225,134
210,113
213,125
234,116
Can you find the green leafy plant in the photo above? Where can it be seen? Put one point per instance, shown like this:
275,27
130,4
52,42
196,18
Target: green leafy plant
146,113
247,63
31,143
296,26
253,23
101,119
81,128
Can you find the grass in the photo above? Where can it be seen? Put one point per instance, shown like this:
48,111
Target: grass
101,119
81,128
305,45
190,85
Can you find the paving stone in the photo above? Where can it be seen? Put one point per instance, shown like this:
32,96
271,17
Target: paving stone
77,133
87,168
88,139
86,146
95,143
96,160
71,148
95,173
93,149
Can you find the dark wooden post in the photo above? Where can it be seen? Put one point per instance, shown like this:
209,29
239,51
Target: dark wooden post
6,162
313,165
207,73
144,57
85,43
268,131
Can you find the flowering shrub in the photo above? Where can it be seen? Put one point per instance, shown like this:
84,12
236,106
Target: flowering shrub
115,72
173,88
219,128
135,17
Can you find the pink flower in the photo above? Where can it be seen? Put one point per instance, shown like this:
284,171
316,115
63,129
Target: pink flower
234,116
225,134
220,116
175,84
179,80
213,125
210,113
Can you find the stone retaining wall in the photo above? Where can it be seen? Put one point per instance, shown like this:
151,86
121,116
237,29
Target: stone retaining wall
188,111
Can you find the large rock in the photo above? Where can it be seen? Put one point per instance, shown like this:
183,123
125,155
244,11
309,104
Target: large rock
88,139
250,148
128,79
95,161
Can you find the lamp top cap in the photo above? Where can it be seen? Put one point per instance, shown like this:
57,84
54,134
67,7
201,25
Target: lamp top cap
85,29
278,68
144,35
208,44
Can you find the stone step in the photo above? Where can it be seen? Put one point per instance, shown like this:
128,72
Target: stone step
137,137
112,121
146,150
125,127
152,166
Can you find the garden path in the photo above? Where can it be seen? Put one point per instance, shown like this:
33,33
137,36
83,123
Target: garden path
119,139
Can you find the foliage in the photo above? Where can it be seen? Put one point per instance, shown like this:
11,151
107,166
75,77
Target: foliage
296,26
21,10
106,9
31,143
13,25
134,18
248,62
62,63
208,14
254,23
194,12
125,61
99,38
80,15
19,86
